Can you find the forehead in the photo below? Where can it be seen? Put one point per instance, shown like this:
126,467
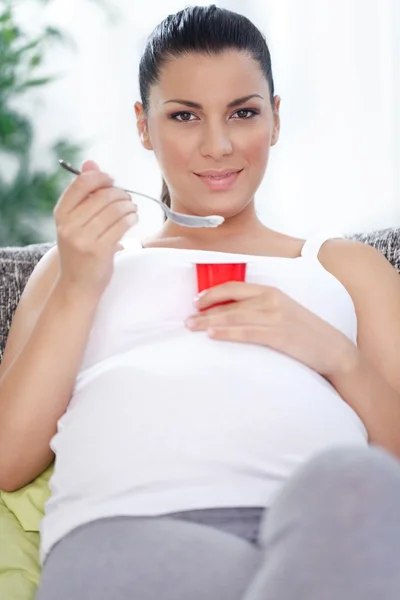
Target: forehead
208,78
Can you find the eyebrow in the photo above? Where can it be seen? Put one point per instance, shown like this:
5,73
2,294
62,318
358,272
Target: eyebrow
232,104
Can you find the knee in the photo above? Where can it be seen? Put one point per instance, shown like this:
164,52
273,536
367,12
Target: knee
359,471
341,489
342,478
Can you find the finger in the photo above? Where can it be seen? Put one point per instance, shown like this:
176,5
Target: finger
229,318
233,290
79,190
248,334
232,305
111,215
90,165
95,206
118,229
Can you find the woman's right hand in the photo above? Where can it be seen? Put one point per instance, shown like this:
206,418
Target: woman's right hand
91,217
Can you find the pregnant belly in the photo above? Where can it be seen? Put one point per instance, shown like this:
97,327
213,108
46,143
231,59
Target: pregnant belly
137,420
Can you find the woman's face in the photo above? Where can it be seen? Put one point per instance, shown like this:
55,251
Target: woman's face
211,113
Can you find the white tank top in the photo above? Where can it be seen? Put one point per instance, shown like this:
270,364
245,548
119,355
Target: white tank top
163,419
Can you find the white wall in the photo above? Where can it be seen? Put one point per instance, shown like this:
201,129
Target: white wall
336,66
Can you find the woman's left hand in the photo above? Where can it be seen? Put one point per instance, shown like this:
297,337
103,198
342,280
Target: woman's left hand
266,316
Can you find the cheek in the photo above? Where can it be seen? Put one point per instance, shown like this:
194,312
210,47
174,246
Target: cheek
256,150
173,152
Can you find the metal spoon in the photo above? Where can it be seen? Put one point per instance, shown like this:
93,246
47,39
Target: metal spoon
180,218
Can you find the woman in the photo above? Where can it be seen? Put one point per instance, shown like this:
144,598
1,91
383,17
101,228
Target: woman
206,451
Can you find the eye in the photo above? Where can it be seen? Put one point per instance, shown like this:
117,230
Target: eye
182,114
250,112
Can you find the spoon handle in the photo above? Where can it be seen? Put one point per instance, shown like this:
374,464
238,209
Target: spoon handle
70,168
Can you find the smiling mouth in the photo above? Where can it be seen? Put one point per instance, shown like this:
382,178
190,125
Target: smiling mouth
220,182
219,177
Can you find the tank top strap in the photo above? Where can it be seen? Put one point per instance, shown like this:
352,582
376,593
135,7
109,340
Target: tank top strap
313,245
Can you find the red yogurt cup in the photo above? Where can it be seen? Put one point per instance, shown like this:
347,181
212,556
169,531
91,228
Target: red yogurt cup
210,275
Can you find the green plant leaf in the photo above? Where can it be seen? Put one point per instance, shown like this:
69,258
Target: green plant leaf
10,34
54,33
35,60
34,83
15,132
5,16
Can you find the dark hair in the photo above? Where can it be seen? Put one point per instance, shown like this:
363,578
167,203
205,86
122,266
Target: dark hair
203,30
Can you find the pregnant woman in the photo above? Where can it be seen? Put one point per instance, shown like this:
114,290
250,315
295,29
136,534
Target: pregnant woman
206,450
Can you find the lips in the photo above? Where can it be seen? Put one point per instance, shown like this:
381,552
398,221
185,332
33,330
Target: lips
218,174
218,177
220,181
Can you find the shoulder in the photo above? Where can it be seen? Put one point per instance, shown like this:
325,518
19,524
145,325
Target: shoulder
359,267
348,256
374,286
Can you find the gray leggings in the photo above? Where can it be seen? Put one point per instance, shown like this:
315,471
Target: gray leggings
333,533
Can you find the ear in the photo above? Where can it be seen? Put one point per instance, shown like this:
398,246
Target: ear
142,126
277,121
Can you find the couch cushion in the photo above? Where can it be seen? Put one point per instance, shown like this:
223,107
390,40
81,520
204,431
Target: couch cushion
386,241
19,558
16,266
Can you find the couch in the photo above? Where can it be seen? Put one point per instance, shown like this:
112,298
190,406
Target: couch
21,511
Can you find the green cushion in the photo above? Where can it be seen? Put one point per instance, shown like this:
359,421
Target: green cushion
27,504
19,558
20,516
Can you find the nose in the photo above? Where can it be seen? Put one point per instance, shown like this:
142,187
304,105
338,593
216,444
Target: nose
216,141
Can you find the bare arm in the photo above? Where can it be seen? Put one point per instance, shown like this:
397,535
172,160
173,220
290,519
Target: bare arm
37,382
53,320
369,378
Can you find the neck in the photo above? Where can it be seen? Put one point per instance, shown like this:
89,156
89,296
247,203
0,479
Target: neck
243,225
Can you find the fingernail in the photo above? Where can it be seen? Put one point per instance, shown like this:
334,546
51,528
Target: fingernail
198,298
190,322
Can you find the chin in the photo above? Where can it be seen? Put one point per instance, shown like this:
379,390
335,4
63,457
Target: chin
227,204
226,209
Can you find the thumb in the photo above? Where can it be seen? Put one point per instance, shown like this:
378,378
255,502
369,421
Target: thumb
90,165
